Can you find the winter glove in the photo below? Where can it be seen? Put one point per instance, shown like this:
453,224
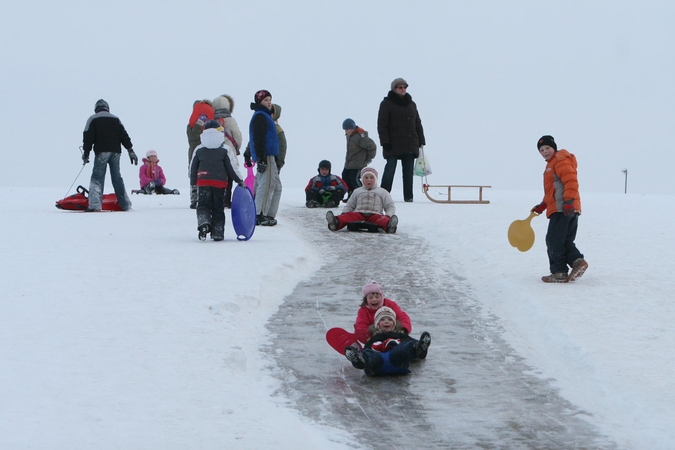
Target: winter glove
247,162
85,158
241,184
202,119
568,208
158,182
133,157
540,208
322,191
330,188
386,147
262,167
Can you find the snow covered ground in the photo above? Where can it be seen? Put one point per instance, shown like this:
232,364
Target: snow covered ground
122,330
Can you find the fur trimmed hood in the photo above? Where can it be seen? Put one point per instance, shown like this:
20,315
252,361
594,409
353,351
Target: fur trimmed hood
224,102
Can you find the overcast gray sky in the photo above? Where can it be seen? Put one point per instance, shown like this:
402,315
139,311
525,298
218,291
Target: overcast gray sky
489,78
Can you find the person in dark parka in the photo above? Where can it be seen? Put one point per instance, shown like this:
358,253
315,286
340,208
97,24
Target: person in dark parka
401,135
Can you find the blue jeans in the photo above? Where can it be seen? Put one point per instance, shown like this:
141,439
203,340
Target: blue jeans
97,183
407,168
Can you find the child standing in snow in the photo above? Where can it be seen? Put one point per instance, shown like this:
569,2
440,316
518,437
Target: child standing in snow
361,150
152,176
367,204
391,349
211,167
325,189
373,299
562,204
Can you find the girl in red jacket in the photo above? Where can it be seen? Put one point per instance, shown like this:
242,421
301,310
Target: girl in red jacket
373,299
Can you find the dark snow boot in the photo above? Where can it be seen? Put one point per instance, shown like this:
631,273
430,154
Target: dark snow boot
203,231
423,345
392,225
355,357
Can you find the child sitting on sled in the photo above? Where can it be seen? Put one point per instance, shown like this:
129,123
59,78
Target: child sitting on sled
391,349
325,189
367,204
373,299
152,176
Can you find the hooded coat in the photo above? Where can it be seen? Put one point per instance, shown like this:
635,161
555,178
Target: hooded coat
361,150
399,125
224,107
561,182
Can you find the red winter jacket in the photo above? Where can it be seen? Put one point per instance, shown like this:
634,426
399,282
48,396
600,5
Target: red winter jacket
366,317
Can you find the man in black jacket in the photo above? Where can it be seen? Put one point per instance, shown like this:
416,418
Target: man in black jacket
106,134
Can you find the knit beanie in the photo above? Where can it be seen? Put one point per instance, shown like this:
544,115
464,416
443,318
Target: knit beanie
383,312
325,164
348,124
547,140
260,95
372,287
366,170
398,82
211,124
150,153
101,105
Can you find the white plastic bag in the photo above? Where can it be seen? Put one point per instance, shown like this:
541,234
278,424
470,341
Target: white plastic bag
422,166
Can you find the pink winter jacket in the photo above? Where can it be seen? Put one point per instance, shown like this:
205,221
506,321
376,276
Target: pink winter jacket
148,173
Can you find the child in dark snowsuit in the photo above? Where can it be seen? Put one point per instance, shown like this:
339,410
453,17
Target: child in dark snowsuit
152,176
325,189
390,350
211,167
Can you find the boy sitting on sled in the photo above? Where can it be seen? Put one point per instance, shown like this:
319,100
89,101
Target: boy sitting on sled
325,189
152,176
367,204
390,350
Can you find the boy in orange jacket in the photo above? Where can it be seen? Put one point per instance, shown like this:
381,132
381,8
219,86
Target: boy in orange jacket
563,207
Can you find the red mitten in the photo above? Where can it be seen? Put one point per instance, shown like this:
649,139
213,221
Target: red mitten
540,208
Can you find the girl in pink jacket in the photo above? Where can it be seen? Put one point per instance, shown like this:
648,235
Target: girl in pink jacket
152,176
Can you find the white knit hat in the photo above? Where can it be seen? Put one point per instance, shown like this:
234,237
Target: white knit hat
383,312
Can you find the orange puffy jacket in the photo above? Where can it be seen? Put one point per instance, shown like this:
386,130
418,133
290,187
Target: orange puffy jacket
561,183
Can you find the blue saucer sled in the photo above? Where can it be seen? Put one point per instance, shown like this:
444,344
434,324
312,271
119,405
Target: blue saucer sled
243,213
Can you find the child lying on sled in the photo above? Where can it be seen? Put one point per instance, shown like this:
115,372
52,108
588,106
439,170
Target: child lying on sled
369,203
390,350
152,176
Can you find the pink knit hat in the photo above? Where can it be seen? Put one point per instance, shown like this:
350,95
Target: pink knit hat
372,287
366,170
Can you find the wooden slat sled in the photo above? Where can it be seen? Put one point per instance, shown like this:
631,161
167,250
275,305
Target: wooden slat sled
426,187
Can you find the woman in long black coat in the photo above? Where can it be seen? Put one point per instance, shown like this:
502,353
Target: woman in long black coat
401,135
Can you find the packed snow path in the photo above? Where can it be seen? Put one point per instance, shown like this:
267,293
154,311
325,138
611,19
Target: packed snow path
471,392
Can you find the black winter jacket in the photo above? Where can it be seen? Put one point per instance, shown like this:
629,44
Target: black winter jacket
399,126
105,133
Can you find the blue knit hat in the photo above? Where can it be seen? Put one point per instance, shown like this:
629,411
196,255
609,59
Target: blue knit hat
211,124
348,124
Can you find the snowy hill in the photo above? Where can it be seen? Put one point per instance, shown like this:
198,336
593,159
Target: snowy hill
122,330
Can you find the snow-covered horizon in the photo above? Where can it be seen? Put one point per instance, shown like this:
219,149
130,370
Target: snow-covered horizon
123,330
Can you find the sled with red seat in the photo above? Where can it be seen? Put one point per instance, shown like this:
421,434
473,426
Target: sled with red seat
80,201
